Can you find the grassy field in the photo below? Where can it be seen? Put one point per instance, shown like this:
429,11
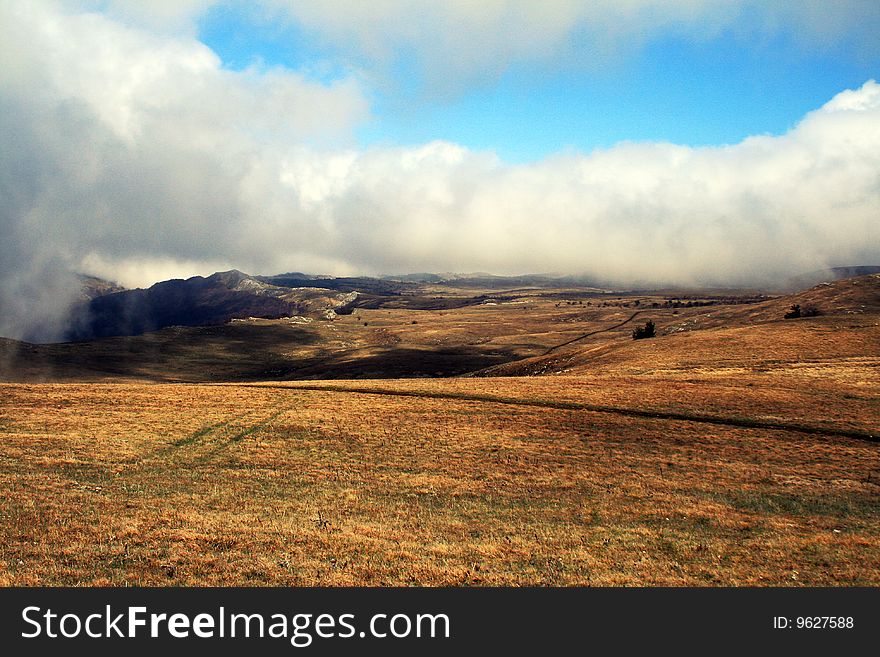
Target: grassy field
384,343
735,448
124,484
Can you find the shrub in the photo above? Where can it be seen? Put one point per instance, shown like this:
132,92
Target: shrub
646,331
796,311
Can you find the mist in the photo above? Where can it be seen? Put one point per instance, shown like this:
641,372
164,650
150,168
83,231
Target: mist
134,155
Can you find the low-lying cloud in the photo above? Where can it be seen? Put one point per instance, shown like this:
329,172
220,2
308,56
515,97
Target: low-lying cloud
137,156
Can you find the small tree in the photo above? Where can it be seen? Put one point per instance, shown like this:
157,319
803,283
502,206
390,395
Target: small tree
646,331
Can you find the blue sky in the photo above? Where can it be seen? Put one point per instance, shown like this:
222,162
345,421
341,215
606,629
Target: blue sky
671,87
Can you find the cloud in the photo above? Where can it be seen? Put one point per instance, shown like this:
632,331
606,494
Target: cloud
135,155
450,45
124,143
750,213
178,16
454,44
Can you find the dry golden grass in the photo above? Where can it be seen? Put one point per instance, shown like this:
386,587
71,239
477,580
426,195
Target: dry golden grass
370,343
123,484
736,448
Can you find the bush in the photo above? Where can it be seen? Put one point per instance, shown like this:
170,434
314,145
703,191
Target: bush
646,331
796,311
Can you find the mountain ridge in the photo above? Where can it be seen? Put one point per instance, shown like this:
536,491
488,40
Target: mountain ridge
196,301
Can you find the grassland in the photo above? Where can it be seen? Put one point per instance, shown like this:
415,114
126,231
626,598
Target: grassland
386,342
739,450
178,484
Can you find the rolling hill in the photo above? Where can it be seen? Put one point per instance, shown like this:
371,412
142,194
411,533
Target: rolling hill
737,335
232,327
197,301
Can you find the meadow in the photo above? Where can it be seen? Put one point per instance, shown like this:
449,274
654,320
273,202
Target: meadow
140,484
740,450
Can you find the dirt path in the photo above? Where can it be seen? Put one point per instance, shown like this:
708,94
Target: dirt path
207,440
587,335
739,422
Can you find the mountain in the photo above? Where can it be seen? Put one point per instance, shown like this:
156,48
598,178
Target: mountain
364,284
197,301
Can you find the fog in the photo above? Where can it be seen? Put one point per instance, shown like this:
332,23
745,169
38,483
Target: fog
130,153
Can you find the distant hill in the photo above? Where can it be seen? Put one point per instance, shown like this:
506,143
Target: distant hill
421,277
492,282
344,284
737,333
106,309
830,275
196,301
441,331
484,281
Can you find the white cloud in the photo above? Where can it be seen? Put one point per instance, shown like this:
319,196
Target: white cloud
178,16
452,44
137,156
132,272
749,213
456,43
125,143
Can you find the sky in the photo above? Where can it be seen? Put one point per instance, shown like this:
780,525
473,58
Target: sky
682,142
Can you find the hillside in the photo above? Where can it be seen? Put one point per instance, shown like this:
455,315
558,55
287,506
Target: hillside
735,336
197,301
830,275
428,332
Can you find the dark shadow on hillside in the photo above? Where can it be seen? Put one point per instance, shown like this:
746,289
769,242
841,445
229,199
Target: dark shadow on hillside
398,363
231,353
210,353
